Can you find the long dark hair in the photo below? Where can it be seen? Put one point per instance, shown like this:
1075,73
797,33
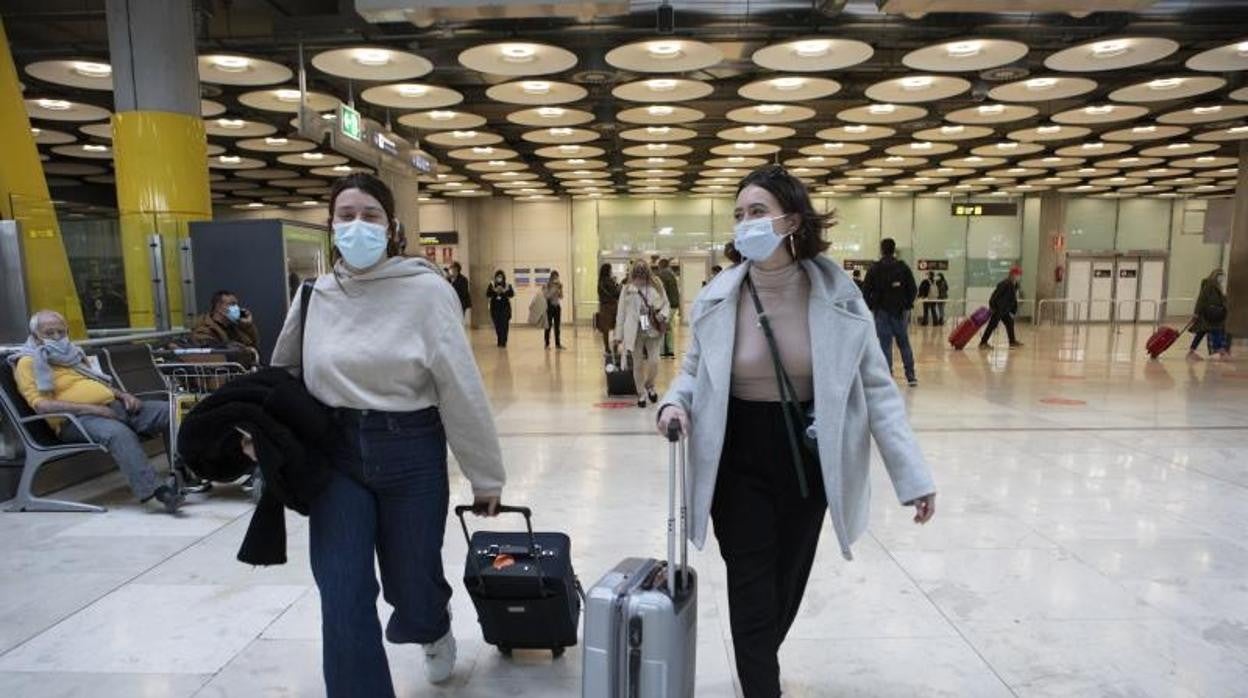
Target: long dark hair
377,189
807,241
604,272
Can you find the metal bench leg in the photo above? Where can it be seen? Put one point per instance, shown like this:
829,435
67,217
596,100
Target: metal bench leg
25,500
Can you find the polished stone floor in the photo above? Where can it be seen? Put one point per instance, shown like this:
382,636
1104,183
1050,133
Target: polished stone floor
1089,541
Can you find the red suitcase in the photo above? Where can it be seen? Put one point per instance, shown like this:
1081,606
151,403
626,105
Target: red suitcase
966,330
1161,340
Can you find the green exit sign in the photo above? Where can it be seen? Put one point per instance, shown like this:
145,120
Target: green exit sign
349,122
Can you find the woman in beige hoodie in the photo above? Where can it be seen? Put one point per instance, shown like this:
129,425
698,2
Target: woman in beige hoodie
384,348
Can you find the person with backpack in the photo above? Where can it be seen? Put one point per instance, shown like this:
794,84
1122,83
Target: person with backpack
1004,306
1210,318
641,321
925,293
942,296
890,292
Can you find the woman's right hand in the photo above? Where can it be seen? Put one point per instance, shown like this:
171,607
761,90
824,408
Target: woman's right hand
673,412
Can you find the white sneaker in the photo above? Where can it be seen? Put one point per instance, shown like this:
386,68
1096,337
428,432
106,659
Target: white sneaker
440,658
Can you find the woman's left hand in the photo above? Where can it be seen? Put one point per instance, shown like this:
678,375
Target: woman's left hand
924,508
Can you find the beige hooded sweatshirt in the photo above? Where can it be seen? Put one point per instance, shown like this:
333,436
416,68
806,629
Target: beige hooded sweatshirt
391,339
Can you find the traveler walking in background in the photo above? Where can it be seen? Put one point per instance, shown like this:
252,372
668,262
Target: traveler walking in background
460,283
1004,305
500,294
640,323
858,279
890,291
925,294
401,386
671,287
553,293
608,304
1210,318
757,474
942,295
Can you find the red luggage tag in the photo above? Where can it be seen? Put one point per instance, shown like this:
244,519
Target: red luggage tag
503,561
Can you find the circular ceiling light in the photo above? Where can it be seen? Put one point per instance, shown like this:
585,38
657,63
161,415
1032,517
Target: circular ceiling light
813,55
965,55
411,96
64,110
536,92
789,89
917,88
1224,59
371,63
1166,89
441,120
1111,54
516,58
663,90
229,69
664,56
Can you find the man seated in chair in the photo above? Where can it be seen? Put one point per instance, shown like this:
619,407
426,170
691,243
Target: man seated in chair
226,325
54,376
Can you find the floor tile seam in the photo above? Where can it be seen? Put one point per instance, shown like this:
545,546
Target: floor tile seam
106,593
935,606
1181,468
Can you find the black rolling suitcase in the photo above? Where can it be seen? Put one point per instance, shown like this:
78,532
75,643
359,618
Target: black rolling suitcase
523,586
619,377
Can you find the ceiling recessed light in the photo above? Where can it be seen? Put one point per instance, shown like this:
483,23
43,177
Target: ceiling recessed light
372,57
756,129
812,48
1052,159
576,161
882,108
90,69
1098,109
1087,170
833,146
948,130
656,146
1131,159
1237,129
518,53
413,90
313,156
658,130
287,95
463,135
770,109
1008,145
659,110
496,163
663,49
1164,83
1092,146
93,148
1109,49
270,140
788,84
1206,158
1039,84
1048,129
735,159
1179,146
551,112
255,204
1207,110
1143,129
991,109
856,128
974,158
229,159
35,131
483,150
231,64
559,131
661,85
54,104
442,115
342,168
231,123
569,148
745,146
894,158
921,145
921,82
964,49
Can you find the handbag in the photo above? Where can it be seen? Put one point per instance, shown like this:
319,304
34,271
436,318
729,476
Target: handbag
799,423
653,323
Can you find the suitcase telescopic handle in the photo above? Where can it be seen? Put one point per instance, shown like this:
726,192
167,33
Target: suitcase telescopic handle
677,462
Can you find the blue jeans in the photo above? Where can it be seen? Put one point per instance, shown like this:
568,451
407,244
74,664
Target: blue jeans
889,327
389,496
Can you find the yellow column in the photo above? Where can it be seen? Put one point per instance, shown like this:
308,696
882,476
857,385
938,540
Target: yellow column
161,162
24,197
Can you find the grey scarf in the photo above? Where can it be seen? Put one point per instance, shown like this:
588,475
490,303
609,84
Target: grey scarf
49,354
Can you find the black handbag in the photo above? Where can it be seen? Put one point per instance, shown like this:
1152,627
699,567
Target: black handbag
799,423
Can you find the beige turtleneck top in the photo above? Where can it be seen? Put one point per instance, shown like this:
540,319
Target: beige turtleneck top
785,295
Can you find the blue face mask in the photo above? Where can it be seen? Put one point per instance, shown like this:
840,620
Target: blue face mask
360,243
233,312
756,238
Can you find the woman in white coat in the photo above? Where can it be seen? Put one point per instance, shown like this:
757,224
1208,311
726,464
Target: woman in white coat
643,306
756,471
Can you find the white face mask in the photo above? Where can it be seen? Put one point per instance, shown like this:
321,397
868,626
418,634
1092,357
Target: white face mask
360,243
756,238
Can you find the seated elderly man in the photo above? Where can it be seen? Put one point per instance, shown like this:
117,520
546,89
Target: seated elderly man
53,375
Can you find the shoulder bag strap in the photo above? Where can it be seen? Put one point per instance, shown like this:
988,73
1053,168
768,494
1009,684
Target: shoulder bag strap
788,396
305,299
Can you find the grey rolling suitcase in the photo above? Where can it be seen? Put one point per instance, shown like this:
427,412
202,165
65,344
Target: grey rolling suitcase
641,620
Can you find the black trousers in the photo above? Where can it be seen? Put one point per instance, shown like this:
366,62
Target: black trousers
1005,319
553,315
767,536
929,312
502,323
